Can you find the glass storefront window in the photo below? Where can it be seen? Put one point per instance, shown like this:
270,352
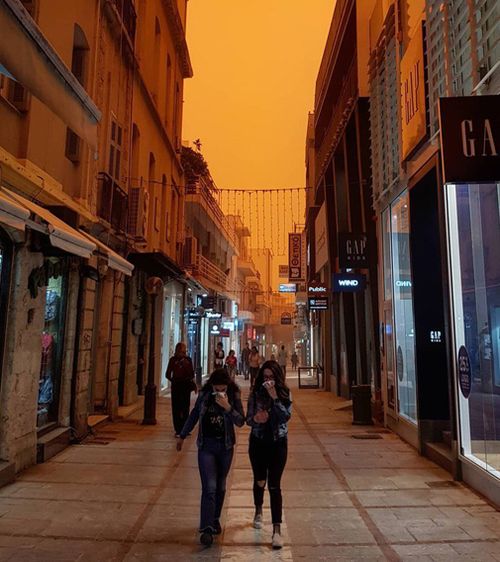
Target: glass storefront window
474,235
404,325
51,360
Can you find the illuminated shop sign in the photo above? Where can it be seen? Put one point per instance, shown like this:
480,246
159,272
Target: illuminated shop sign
288,288
348,282
317,289
213,314
318,303
353,251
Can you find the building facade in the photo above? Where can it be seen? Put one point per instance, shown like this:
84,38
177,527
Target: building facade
341,233
91,205
437,216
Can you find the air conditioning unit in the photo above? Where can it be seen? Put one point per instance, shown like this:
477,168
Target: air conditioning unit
190,250
138,213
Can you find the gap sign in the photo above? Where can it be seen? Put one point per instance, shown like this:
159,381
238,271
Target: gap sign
348,283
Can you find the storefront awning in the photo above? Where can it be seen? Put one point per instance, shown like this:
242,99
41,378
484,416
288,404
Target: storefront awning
115,261
61,235
13,214
27,56
157,264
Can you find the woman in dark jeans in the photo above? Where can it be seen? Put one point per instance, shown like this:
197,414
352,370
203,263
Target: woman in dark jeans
269,409
180,373
218,409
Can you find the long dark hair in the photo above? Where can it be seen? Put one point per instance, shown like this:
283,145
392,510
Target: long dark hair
282,389
221,376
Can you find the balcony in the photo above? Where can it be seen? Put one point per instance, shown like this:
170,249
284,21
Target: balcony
209,275
111,202
201,199
126,16
246,266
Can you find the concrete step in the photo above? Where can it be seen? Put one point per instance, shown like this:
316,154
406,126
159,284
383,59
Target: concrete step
52,443
7,473
441,454
447,438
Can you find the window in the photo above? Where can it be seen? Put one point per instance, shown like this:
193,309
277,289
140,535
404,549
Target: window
156,61
115,150
168,92
474,232
173,211
152,190
164,191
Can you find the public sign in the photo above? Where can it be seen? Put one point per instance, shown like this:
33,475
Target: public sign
353,250
283,271
348,282
286,318
317,289
470,138
288,288
464,371
413,106
295,257
318,303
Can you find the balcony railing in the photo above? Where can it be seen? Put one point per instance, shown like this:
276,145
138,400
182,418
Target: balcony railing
126,12
206,271
201,189
112,202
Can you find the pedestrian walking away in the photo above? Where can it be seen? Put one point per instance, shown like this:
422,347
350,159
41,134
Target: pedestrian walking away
218,409
244,361
283,359
219,356
231,364
269,409
180,373
253,364
295,360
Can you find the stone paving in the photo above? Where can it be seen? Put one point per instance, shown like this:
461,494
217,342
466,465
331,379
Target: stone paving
127,496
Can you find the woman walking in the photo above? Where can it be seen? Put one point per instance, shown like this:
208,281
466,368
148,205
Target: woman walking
253,364
218,409
231,364
180,373
269,409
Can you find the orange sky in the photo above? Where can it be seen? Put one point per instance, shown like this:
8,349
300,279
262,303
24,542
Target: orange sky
255,65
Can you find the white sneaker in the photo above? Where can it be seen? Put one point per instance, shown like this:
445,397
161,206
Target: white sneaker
257,521
277,541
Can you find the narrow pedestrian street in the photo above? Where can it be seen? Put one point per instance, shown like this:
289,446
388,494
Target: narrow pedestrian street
350,493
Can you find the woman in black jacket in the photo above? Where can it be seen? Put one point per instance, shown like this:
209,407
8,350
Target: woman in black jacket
218,409
180,373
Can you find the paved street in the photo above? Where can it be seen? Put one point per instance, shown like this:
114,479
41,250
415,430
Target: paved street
127,495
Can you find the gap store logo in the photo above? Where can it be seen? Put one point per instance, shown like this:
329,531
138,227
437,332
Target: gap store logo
348,282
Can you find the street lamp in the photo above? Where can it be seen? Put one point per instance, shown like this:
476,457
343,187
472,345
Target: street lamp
153,287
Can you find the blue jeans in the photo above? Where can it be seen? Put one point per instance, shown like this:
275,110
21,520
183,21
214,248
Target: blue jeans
214,462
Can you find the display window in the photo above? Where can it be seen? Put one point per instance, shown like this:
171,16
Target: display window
474,234
399,324
52,348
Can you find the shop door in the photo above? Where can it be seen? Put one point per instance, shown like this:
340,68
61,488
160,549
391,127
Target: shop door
433,379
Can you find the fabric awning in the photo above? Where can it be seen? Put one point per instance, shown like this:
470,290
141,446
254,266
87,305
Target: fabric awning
13,214
157,264
33,62
115,261
61,235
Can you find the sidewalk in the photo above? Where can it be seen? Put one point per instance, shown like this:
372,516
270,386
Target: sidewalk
127,495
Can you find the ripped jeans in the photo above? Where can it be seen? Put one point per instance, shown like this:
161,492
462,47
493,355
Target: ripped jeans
268,459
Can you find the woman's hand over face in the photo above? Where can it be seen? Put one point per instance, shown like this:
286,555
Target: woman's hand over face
223,402
272,391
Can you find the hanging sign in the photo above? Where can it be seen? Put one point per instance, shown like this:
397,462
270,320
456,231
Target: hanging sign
321,238
283,271
288,288
464,372
317,289
348,283
318,303
353,250
224,333
470,138
295,257
208,302
215,330
286,318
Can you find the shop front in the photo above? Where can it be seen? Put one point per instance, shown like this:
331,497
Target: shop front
470,139
173,297
5,269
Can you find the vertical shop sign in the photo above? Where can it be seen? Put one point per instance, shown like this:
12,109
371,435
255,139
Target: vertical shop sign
413,106
321,238
295,257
